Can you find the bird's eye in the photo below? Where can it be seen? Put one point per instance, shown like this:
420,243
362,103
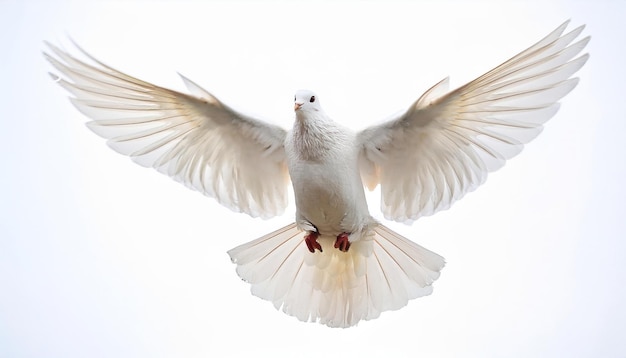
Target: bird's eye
312,99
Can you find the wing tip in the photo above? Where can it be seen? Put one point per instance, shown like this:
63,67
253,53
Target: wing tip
433,93
54,77
198,91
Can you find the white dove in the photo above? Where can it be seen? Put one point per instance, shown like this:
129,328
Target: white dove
336,264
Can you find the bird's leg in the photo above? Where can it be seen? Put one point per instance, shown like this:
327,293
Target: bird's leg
311,241
342,242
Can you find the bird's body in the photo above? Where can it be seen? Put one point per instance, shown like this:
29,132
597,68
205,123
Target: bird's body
335,264
323,167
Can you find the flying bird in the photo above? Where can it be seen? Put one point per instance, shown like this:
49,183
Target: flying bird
335,264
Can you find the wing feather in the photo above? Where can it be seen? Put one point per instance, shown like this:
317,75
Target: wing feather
446,143
197,140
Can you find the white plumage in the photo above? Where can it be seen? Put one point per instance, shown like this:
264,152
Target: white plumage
337,288
335,264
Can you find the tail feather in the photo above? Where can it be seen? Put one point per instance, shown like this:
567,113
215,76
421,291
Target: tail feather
257,260
380,273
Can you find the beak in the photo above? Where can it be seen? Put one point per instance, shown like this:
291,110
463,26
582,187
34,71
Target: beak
297,106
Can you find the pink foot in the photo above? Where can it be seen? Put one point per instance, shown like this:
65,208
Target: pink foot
311,241
342,242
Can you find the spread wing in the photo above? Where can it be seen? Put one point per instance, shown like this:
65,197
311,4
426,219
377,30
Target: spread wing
445,144
197,140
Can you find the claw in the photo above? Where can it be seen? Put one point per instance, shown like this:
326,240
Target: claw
311,241
342,242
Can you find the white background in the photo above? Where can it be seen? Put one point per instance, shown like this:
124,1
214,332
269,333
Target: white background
102,258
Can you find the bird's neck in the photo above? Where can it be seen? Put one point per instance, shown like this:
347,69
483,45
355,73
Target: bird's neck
313,135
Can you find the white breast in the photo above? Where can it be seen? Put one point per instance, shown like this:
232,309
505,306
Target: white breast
326,180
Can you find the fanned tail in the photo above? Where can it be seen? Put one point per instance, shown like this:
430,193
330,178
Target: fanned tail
380,273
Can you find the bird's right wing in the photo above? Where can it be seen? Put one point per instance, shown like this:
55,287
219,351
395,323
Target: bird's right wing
197,140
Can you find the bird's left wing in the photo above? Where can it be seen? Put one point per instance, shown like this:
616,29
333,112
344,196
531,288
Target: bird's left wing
445,144
197,140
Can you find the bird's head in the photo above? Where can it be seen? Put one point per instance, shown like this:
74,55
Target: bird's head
306,101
